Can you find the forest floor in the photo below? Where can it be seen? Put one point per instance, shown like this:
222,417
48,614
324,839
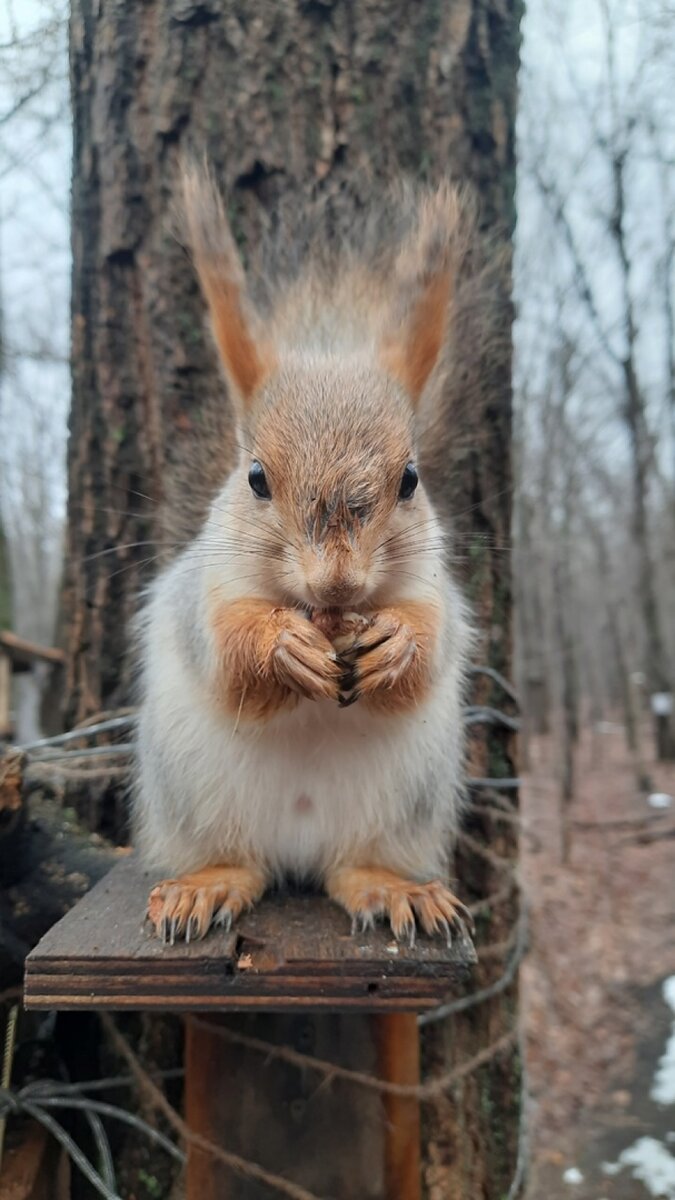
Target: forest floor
599,1007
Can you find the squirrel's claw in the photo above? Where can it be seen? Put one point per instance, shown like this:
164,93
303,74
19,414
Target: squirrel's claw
362,923
305,661
224,917
190,905
378,660
444,924
371,893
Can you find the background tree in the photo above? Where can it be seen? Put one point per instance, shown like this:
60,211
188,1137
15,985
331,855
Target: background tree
286,101
595,199
34,160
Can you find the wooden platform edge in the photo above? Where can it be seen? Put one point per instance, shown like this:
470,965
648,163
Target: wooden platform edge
291,954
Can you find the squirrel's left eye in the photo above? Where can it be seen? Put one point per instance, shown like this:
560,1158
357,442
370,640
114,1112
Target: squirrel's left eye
258,481
408,482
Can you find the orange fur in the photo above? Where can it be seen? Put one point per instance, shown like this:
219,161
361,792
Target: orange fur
247,364
371,892
391,661
190,904
412,356
245,357
271,657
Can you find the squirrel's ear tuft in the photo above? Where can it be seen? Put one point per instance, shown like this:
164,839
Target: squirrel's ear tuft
247,361
424,280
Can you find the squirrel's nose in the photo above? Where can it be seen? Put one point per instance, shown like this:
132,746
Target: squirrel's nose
337,590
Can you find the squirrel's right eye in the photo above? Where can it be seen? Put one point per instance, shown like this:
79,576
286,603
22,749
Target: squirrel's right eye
258,481
409,482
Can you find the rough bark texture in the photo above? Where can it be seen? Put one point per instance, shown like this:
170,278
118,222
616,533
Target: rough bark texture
283,99
46,864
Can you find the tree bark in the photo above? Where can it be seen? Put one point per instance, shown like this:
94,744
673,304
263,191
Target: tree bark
286,100
46,864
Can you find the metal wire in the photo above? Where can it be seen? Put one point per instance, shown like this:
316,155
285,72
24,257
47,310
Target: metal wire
484,714
47,756
43,1094
494,989
72,1149
498,678
506,783
102,1145
73,735
117,1114
7,1059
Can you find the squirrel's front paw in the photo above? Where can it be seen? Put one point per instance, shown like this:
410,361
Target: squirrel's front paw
341,628
384,657
302,658
189,905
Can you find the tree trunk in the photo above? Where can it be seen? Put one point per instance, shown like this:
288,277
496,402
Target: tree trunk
284,99
657,666
568,717
658,673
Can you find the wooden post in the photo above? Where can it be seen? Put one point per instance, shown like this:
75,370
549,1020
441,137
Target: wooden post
398,1060
338,1140
5,694
17,654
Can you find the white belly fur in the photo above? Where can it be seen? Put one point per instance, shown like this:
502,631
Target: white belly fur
311,787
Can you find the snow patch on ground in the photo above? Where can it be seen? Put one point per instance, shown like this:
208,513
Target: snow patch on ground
660,800
650,1159
573,1175
651,1163
663,1087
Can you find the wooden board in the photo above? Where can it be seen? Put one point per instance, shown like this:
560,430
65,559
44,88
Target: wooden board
292,952
34,1167
331,1140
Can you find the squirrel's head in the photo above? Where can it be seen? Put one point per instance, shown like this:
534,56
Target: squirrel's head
328,499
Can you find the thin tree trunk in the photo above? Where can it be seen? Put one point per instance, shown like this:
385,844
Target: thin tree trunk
284,99
569,722
530,612
617,644
657,667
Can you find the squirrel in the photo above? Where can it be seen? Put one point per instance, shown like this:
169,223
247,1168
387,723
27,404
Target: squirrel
303,658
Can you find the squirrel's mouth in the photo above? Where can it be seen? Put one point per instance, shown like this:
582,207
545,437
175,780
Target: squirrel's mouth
339,593
350,603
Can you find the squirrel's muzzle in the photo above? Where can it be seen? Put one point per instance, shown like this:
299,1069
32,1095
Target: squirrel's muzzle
334,591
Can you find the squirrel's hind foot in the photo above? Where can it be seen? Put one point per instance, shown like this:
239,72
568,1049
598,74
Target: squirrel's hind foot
369,893
189,905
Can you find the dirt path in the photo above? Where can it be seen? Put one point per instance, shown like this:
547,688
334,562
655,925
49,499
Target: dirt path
603,947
